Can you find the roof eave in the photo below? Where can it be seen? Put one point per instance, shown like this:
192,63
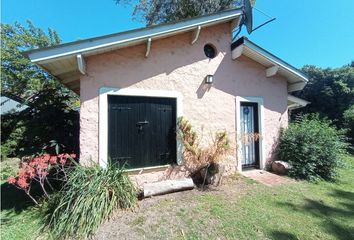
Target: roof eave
90,46
296,102
295,77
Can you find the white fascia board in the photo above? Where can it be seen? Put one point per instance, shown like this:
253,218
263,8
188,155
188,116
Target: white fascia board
90,45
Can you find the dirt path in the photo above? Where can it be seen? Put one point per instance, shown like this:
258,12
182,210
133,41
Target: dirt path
165,217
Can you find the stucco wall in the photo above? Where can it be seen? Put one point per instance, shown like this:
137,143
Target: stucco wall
175,64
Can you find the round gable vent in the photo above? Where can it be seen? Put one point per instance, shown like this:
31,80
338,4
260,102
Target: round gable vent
209,50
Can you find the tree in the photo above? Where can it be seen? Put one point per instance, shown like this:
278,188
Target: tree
52,109
331,93
163,11
348,116
20,78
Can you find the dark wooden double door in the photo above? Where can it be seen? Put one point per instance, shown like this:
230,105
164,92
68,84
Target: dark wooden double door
141,131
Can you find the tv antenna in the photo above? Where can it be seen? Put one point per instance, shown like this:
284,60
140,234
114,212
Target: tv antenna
247,18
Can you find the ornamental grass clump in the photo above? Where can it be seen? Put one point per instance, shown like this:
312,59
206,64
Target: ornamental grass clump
87,199
313,147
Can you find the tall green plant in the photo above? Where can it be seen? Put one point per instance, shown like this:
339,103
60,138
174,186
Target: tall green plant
87,199
313,147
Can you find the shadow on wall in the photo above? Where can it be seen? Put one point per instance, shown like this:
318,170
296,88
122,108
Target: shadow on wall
128,66
274,149
203,88
329,216
244,77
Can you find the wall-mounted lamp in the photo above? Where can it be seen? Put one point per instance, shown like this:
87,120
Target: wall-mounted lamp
209,79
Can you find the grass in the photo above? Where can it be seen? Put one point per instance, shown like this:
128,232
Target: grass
19,218
298,211
8,168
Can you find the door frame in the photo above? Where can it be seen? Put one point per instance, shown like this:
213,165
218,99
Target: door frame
260,102
103,118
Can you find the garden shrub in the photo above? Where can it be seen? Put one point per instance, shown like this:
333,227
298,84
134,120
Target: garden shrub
37,169
87,199
313,147
348,116
50,115
8,168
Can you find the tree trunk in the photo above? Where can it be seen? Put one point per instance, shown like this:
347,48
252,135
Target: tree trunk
168,186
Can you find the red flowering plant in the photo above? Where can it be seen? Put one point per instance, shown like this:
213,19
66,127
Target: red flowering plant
37,169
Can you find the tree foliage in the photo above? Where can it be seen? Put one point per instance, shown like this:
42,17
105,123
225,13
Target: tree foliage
52,109
49,116
348,116
162,11
20,78
331,93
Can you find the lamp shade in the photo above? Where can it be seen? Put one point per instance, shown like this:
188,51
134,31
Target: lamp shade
209,79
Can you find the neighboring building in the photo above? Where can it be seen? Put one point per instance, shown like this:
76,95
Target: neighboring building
134,86
8,105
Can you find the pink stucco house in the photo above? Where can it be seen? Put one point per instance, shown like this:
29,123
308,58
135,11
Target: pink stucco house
134,85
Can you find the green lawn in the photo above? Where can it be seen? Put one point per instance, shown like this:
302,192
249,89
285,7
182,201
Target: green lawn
298,211
19,218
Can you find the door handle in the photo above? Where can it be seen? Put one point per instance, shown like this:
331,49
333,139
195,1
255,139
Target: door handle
142,123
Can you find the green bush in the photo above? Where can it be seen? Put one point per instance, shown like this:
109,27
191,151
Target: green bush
313,147
9,167
50,115
348,117
87,199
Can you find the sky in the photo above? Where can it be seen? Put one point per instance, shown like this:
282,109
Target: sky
316,32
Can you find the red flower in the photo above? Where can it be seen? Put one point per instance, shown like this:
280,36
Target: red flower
11,180
53,160
31,172
22,183
35,161
46,157
73,155
62,161
22,172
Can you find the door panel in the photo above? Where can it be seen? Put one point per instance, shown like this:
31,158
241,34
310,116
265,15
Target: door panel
249,131
142,131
